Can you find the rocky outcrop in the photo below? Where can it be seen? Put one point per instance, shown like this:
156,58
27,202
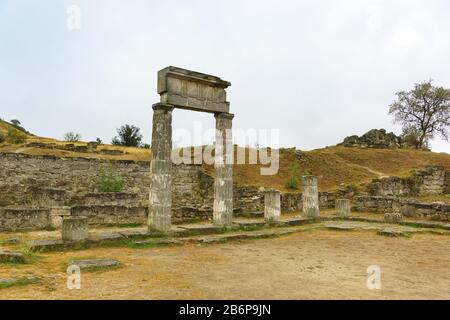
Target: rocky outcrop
376,138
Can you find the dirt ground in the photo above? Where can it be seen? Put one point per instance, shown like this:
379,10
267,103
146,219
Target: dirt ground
315,264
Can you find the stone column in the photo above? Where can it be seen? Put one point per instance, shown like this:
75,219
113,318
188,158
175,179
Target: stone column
310,197
74,229
342,208
160,200
272,206
223,163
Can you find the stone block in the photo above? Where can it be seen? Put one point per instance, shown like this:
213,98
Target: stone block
192,90
94,263
310,197
57,214
393,217
75,229
272,206
342,208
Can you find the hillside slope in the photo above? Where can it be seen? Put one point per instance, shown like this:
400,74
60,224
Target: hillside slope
332,165
336,165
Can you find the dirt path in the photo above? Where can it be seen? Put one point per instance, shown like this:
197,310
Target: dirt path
315,264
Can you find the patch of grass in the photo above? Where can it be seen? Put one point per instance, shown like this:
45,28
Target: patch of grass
109,181
19,282
129,225
146,245
15,136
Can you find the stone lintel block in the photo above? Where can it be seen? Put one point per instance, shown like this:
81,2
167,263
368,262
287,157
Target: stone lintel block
192,90
75,229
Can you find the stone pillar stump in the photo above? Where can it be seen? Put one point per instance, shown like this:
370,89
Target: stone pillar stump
342,208
272,206
310,197
74,229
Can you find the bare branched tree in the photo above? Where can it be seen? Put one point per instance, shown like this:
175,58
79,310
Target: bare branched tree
425,110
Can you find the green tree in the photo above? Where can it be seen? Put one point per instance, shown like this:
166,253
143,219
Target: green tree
72,137
129,136
423,111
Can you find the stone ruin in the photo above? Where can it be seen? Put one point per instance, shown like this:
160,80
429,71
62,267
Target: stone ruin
46,190
376,138
185,89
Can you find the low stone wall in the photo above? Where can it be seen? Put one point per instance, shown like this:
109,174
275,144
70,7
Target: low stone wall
12,219
111,198
434,211
431,180
75,181
111,215
377,204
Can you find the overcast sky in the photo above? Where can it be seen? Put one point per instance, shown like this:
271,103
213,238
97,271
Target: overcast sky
316,70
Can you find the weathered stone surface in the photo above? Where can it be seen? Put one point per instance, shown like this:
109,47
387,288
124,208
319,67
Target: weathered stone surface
345,227
343,208
47,245
12,219
272,206
11,257
57,214
223,183
192,90
94,263
75,229
393,217
192,187
376,138
377,204
408,210
310,197
160,199
111,215
391,232
429,180
111,198
49,197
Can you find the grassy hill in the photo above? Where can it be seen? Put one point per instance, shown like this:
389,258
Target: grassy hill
53,147
332,165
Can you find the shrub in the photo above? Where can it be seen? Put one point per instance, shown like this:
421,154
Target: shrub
109,181
293,180
15,136
2,138
128,136
72,137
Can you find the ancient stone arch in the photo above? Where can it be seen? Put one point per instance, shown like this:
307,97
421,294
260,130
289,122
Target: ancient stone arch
185,89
